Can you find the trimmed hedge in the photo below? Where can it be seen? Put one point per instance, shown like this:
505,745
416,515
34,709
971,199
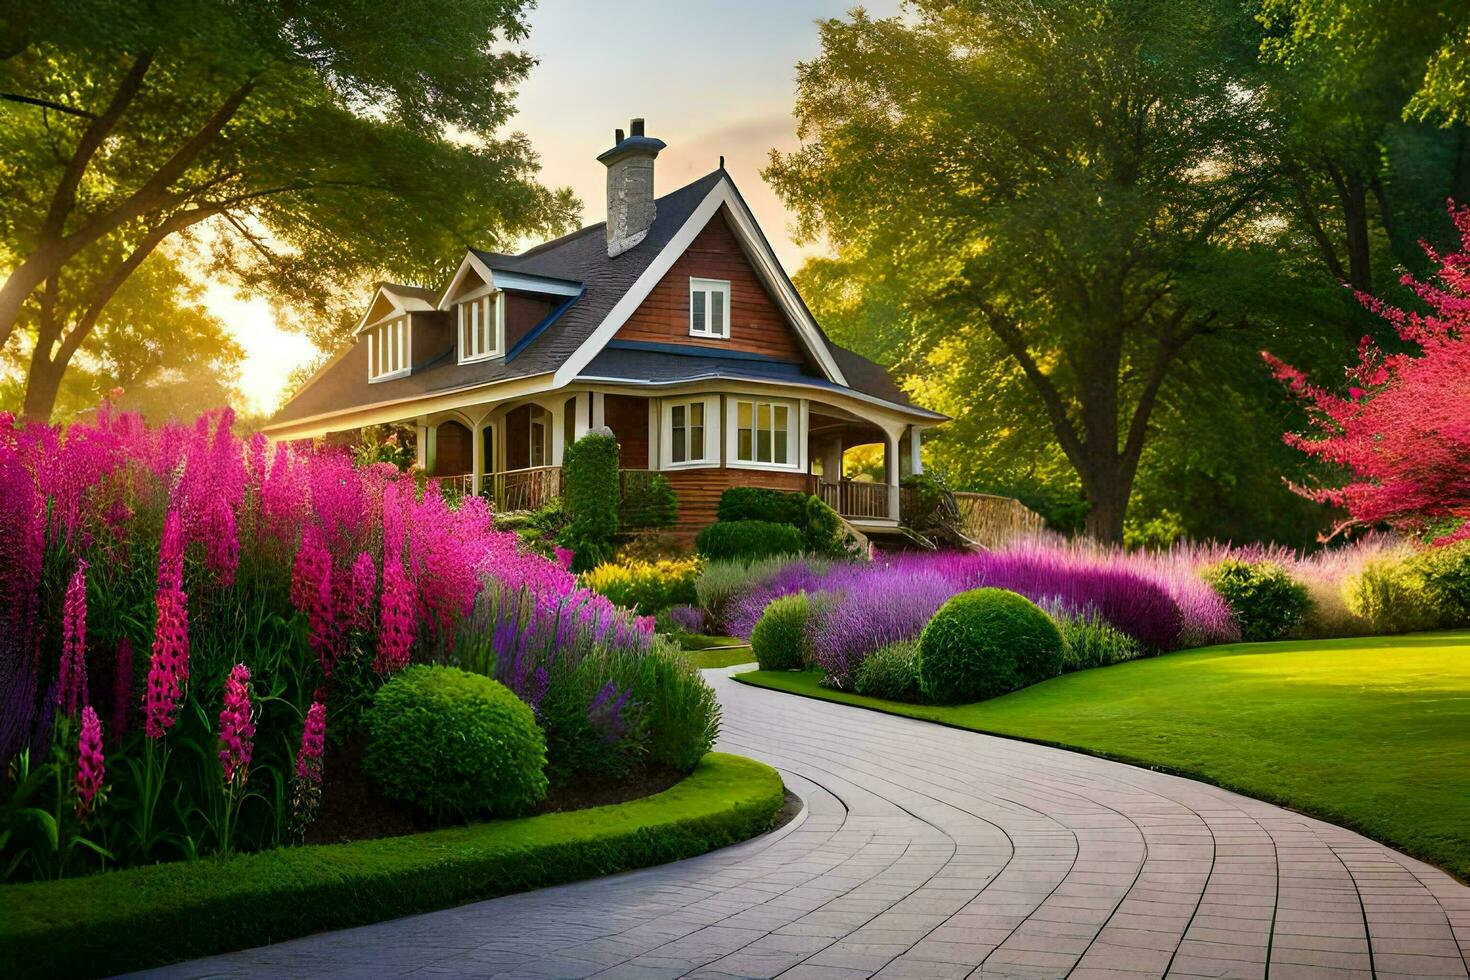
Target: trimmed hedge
150,916
984,643
457,744
748,539
779,637
1267,602
591,470
762,504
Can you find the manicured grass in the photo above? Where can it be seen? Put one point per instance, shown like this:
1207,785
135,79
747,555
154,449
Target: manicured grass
128,920
1372,733
704,651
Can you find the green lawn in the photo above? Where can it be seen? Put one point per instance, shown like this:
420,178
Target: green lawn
715,651
1371,733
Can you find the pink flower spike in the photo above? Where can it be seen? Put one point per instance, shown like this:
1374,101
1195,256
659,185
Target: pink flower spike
396,636
313,743
168,671
236,729
90,769
71,690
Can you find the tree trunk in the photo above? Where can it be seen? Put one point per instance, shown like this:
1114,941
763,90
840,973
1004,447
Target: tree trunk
43,384
1355,215
1107,494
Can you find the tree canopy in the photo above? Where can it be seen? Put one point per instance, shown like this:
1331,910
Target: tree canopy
319,143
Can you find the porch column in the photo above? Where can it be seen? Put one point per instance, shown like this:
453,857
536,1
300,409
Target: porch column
890,471
598,420
421,445
477,455
558,431
832,459
916,462
584,414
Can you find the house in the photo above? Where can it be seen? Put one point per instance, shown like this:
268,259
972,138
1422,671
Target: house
671,323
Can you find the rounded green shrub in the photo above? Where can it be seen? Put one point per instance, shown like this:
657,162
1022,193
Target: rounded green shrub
890,672
1267,602
984,643
762,504
1392,596
748,539
779,637
591,470
1446,574
456,744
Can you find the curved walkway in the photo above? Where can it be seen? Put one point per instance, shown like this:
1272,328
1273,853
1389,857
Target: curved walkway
930,852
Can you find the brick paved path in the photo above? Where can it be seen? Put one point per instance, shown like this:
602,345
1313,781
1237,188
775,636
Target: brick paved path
930,852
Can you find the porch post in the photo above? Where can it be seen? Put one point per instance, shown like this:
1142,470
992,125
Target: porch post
421,445
890,471
597,413
916,463
477,455
558,432
584,414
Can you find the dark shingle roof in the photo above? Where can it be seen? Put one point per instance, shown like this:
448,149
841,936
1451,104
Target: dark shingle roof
580,257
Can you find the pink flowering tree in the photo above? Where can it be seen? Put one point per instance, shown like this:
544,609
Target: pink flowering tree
1400,435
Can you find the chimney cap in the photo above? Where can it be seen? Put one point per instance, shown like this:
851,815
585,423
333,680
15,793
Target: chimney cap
635,143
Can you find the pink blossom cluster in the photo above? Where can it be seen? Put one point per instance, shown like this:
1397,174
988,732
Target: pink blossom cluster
168,672
90,768
236,726
71,689
313,743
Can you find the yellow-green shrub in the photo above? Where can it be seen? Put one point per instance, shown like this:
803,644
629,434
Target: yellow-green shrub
1392,596
649,586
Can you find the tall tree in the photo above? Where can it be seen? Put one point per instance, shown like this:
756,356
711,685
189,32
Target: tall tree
321,142
1058,180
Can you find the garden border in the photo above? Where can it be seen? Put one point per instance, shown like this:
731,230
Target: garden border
142,917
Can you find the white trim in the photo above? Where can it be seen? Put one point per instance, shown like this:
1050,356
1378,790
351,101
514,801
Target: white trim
709,288
402,306
765,263
536,284
793,432
476,304
470,262
711,425
402,325
823,393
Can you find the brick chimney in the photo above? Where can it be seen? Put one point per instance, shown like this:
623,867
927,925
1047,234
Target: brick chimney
629,187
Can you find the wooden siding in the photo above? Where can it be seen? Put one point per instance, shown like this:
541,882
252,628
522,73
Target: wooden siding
699,492
757,325
433,334
627,416
452,447
522,313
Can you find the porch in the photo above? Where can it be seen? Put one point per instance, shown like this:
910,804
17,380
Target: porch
702,443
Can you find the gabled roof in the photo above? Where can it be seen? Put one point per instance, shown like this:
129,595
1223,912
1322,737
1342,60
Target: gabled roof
403,299
600,293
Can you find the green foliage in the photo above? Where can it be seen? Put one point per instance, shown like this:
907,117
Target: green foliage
1392,596
762,504
779,637
984,643
648,501
890,673
748,539
649,587
591,469
1267,602
1154,533
456,744
1446,573
682,712
382,444
723,579
1090,641
823,530
149,916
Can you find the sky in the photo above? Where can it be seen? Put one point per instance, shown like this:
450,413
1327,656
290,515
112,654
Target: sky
711,77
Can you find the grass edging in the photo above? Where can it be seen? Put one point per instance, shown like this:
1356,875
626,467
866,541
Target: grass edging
142,917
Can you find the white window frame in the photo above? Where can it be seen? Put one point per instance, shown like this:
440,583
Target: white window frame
709,288
538,417
711,424
793,433
390,349
479,327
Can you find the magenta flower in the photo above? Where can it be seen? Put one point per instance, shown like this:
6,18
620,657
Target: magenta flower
90,769
364,584
395,638
168,671
171,554
311,592
236,730
71,692
222,545
563,556
313,743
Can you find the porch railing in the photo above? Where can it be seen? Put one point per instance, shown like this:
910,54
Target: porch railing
523,489
865,501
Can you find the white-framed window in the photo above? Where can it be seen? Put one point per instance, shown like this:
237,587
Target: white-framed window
388,350
481,326
709,308
764,432
690,432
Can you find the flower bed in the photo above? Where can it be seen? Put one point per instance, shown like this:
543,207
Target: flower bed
154,915
192,624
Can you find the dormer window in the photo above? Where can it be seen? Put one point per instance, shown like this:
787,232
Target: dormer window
388,349
709,308
481,327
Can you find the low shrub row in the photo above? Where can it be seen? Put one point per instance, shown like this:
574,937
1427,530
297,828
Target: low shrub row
756,522
153,915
